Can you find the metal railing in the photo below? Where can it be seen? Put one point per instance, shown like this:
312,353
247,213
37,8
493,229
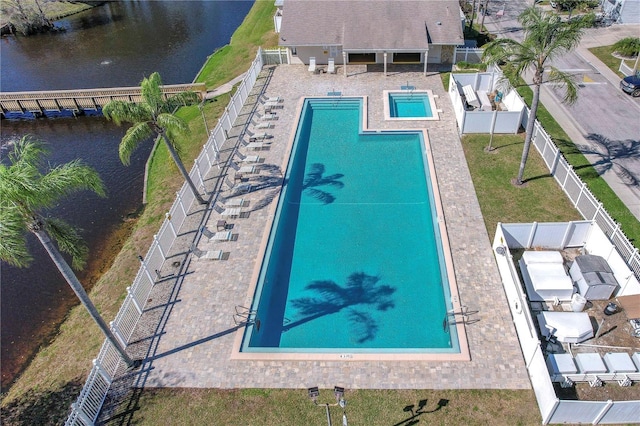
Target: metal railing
87,408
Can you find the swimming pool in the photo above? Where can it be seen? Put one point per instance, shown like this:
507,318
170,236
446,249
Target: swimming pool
355,262
410,105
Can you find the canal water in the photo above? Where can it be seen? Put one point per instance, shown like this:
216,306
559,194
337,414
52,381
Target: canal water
116,44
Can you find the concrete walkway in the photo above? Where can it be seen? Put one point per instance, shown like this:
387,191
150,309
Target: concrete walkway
224,88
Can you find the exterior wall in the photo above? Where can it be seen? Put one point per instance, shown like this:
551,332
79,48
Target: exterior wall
321,53
435,54
446,54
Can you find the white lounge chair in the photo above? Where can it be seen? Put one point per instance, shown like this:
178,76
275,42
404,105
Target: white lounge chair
251,159
216,236
258,145
274,99
234,202
273,104
208,254
232,212
331,67
261,135
312,65
264,125
269,116
248,169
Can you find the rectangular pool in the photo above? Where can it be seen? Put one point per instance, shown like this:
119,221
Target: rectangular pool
355,262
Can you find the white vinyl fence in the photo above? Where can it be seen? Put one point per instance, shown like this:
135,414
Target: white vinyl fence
87,408
467,54
555,236
582,198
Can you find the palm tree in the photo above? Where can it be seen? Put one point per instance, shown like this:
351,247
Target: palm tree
153,116
546,37
24,193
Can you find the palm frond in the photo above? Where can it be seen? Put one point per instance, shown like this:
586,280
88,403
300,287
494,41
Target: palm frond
13,230
69,178
126,112
151,89
180,99
68,239
567,81
134,136
172,123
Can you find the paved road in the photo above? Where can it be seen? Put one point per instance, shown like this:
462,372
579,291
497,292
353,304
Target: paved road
604,123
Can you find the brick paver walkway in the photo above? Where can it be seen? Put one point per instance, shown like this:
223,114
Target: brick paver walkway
187,332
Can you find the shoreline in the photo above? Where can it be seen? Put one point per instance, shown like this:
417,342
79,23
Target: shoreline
73,340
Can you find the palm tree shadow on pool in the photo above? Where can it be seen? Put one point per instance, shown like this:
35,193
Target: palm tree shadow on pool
315,178
360,289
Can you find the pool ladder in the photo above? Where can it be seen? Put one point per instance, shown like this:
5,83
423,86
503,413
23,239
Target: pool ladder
244,316
451,318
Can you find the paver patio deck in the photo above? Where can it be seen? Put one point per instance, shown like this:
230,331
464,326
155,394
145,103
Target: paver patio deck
194,344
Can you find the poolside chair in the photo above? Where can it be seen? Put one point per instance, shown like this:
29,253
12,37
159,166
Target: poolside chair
207,255
264,125
274,99
273,104
261,135
269,116
258,145
251,159
312,65
234,202
331,67
232,212
216,236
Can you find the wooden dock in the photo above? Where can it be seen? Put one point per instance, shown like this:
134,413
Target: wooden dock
77,102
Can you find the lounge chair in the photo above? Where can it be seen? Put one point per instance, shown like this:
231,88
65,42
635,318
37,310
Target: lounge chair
264,125
274,99
234,202
331,67
312,65
251,159
208,254
248,169
273,104
260,135
269,116
216,236
258,145
232,212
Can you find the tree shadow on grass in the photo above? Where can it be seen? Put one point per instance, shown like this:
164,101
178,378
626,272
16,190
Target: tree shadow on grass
360,289
42,408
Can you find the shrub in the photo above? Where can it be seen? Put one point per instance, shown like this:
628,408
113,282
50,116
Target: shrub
629,46
464,65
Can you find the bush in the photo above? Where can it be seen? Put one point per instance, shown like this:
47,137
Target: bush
629,46
464,65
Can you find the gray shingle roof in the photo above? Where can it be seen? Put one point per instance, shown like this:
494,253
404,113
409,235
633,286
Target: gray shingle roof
371,24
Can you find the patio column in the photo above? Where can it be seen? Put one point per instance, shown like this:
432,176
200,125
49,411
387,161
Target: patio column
344,62
385,63
426,59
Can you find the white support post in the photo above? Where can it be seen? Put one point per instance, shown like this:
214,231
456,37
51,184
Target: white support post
226,115
173,229
344,62
384,55
134,301
146,271
602,412
532,234
426,60
179,198
199,173
102,371
597,211
579,195
155,238
555,162
565,237
116,332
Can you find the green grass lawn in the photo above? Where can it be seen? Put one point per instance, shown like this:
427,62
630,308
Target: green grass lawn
605,54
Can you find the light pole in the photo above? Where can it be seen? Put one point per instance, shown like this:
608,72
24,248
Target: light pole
340,401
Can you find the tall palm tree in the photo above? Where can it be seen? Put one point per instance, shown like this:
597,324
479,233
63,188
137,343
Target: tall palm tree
153,116
546,37
25,192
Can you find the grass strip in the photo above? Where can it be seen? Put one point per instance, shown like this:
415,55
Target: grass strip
605,54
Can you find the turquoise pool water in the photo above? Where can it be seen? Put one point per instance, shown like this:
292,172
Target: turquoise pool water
354,260
411,105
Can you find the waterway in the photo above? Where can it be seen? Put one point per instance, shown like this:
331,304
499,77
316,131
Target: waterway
116,44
